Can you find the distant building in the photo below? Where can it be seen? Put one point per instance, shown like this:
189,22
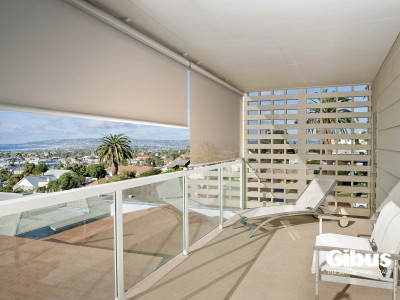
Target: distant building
140,160
138,169
98,181
178,163
31,183
185,155
166,161
50,163
57,173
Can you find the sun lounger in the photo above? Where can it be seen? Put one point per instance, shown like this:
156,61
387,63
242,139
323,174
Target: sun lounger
308,203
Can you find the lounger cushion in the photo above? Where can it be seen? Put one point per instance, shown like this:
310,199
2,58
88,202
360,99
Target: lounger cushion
316,192
263,212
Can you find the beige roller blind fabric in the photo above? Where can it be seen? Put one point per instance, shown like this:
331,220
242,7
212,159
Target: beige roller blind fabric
56,57
214,121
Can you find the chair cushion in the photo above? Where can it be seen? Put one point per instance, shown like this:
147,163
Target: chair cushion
348,242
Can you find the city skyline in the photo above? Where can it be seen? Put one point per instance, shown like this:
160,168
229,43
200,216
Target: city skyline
21,127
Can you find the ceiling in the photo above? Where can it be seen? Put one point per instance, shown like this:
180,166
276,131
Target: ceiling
266,44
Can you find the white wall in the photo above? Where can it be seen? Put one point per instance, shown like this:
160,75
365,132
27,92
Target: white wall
386,105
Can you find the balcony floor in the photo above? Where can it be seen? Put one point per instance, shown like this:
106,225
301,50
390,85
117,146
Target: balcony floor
274,264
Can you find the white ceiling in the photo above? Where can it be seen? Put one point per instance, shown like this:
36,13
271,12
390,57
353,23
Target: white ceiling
266,44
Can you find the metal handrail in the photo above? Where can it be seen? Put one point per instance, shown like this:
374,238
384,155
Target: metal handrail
19,205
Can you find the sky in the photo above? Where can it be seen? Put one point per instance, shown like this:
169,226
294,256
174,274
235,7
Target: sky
20,127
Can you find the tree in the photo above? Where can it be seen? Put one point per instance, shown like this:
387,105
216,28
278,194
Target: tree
123,176
150,172
28,168
114,148
60,166
12,180
4,174
79,169
153,161
96,171
40,169
53,186
68,181
329,120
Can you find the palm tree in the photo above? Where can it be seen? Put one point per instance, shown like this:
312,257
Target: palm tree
325,130
114,148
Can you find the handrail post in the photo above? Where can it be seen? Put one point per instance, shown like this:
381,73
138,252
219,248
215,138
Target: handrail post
118,246
242,184
221,198
185,213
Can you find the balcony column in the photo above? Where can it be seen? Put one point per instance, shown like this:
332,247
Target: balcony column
118,246
185,213
221,198
242,183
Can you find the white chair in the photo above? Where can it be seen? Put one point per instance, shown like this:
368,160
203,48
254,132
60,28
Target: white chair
307,204
385,238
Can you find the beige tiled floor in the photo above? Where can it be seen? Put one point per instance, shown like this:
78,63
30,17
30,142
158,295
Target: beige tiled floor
274,264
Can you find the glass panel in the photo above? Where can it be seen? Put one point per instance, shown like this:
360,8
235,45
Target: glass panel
313,90
280,92
291,92
344,89
279,102
265,122
63,251
252,131
265,112
358,99
231,190
329,89
152,217
361,88
266,102
203,204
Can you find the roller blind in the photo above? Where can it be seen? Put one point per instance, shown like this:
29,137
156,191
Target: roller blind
214,121
56,57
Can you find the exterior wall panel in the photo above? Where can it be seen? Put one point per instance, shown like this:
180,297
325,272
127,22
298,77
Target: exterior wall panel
386,103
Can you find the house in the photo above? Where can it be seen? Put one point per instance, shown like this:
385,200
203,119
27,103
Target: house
137,169
98,181
140,160
56,173
178,164
185,156
166,161
31,183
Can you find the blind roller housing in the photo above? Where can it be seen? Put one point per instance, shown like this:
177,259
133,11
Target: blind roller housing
56,57
214,121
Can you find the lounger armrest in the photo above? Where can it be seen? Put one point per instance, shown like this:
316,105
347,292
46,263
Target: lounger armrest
328,248
346,218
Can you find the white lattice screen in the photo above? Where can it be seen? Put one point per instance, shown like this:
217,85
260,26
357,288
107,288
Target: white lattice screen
290,136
